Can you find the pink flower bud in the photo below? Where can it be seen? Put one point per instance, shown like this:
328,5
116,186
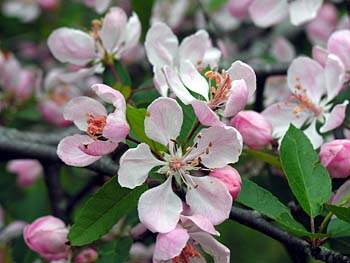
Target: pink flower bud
335,157
27,170
256,130
88,255
239,9
47,236
230,177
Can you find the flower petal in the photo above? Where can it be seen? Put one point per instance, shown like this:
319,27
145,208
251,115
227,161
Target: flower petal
334,76
265,13
217,146
132,32
69,152
193,80
339,45
209,244
205,114
98,148
160,82
170,245
240,70
301,11
116,128
193,47
78,110
113,28
237,99
159,208
135,165
110,95
335,118
209,198
320,55
200,221
306,77
177,86
161,45
312,134
163,120
72,46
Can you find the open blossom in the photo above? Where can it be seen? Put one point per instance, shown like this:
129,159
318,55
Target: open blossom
47,236
265,13
181,244
116,36
27,170
313,88
165,53
213,147
104,130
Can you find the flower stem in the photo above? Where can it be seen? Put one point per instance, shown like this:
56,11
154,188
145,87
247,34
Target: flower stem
114,72
325,222
149,87
132,139
266,157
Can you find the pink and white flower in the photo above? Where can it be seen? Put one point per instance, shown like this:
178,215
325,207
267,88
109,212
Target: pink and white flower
282,50
27,170
182,242
104,130
100,6
111,40
165,54
313,88
265,13
213,147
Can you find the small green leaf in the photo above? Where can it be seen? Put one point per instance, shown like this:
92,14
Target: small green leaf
123,73
189,121
308,179
115,251
102,211
144,10
342,213
338,228
136,118
216,4
261,200
125,90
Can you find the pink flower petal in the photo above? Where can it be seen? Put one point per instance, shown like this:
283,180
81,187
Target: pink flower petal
170,245
113,29
98,148
116,128
135,165
72,46
320,55
312,134
69,152
160,82
265,13
209,198
27,170
163,120
342,192
78,110
282,50
240,70
110,95
237,99
132,33
193,47
301,11
335,118
159,208
205,114
209,244
161,45
217,146
334,76
200,221
339,45
306,75
193,80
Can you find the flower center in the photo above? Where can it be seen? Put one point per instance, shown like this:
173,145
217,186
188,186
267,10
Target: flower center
219,92
96,125
176,164
186,255
60,97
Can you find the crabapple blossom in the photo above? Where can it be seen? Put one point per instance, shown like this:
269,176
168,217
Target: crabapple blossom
47,236
100,6
230,177
213,147
334,156
255,129
181,243
342,195
27,170
88,255
265,13
165,54
276,90
313,88
108,40
282,50
104,130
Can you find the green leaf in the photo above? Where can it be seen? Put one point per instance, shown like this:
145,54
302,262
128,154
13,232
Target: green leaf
342,213
102,211
216,4
136,118
189,121
125,90
144,10
261,200
338,228
123,73
115,251
308,179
